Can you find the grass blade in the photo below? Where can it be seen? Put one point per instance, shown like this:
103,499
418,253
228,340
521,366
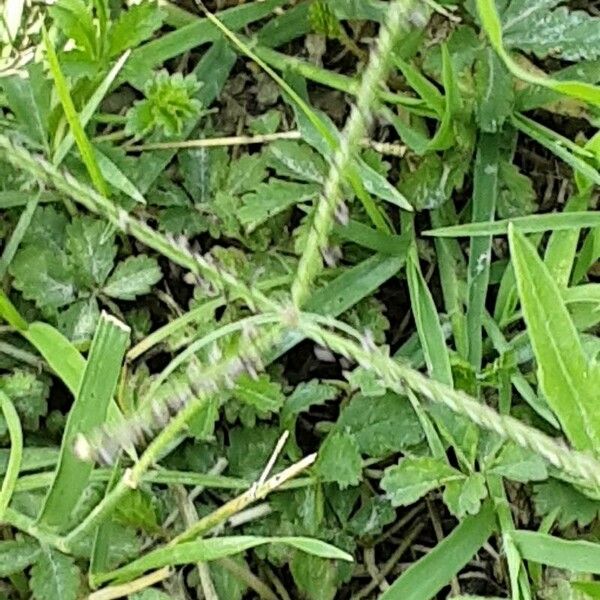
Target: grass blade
547,138
16,452
153,54
574,555
562,245
88,412
563,369
62,90
215,548
89,109
12,245
485,193
529,224
425,578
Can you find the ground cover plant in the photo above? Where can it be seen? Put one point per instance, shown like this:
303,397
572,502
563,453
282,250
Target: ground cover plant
299,299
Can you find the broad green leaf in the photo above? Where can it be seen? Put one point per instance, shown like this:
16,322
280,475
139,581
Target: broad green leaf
43,277
339,460
381,425
78,322
243,463
573,555
493,27
74,19
572,506
262,394
133,277
92,250
17,555
270,199
54,576
565,377
88,412
29,100
562,33
412,478
296,160
464,497
220,547
518,464
315,577
134,25
426,577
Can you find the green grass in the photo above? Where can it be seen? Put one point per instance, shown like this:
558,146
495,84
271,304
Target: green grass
359,362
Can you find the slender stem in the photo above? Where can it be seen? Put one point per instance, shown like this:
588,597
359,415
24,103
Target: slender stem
247,140
22,522
120,591
398,376
16,452
360,117
237,504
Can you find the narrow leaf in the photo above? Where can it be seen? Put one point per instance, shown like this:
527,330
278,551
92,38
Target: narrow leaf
89,411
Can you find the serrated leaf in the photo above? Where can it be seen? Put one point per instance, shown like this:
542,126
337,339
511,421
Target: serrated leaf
296,160
426,186
315,577
43,277
563,33
270,199
464,497
339,460
245,174
250,449
29,393
92,250
305,395
412,478
29,100
519,464
78,322
168,105
370,519
133,277
137,510
573,506
366,381
263,394
74,19
17,555
381,425
227,585
54,577
565,376
133,26
495,94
